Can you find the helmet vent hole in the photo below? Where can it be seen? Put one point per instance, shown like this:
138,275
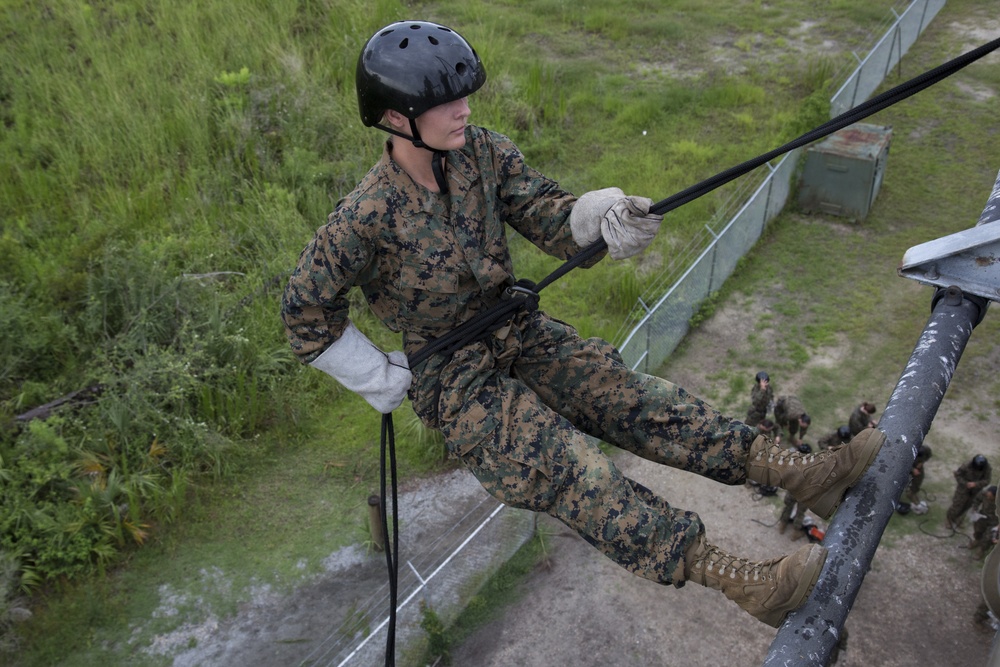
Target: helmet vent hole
460,68
404,43
432,40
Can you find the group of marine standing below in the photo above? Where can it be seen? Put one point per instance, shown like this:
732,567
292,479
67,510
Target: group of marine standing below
973,488
790,424
972,479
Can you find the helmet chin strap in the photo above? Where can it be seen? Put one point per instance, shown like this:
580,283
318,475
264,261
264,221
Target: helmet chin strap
437,158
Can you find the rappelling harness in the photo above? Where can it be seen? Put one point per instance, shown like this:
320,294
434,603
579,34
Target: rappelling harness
523,294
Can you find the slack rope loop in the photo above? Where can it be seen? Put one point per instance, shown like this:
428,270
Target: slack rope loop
524,294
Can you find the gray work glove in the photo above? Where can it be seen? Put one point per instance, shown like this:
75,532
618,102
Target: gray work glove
625,222
354,361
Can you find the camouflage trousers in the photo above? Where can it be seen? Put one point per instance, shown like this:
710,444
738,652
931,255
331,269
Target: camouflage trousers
913,490
792,506
961,502
524,409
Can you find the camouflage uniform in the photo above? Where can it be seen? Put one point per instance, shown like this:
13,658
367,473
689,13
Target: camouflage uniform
760,400
917,475
519,406
787,412
860,420
962,500
831,441
982,528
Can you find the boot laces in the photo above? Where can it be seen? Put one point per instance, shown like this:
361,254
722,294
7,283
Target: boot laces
726,565
790,457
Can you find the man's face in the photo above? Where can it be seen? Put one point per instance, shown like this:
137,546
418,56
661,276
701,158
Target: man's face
443,126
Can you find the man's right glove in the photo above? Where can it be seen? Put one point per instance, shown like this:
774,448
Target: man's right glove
354,361
625,222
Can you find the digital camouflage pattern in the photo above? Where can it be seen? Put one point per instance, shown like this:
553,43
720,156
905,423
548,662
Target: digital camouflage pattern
518,409
859,420
963,498
760,401
521,408
425,261
982,536
787,412
917,474
831,440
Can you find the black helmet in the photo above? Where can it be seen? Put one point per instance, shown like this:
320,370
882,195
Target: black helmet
762,375
805,449
978,461
413,66
844,433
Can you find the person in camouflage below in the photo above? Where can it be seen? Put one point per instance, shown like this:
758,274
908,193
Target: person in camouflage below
985,522
761,396
838,438
970,478
862,417
424,235
917,475
790,415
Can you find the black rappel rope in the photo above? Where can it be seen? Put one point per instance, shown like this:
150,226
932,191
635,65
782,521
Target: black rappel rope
524,294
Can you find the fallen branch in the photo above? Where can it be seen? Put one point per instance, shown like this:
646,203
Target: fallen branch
77,398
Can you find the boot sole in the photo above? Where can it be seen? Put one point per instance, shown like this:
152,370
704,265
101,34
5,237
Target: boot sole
828,504
810,575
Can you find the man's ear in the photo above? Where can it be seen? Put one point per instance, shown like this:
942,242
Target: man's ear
396,119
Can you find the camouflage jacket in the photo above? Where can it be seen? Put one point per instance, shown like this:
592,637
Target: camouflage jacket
760,400
859,420
831,440
966,473
425,262
987,507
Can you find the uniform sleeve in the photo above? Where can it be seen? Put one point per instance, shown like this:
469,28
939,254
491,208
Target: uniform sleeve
537,207
314,306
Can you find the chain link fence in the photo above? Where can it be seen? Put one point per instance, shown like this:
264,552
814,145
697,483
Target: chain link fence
661,317
452,538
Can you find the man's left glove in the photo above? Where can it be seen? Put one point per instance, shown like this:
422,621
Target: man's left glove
625,222
381,379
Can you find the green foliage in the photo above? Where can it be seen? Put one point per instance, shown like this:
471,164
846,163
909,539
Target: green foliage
438,643
13,605
705,310
40,522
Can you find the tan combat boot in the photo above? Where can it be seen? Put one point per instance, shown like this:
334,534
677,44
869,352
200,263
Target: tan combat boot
817,480
768,589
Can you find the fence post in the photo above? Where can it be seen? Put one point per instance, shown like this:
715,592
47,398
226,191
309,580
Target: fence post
375,522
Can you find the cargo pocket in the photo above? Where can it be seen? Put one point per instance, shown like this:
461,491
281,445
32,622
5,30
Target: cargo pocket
473,425
428,297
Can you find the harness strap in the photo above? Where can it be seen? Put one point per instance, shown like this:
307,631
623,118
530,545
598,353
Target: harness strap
522,295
